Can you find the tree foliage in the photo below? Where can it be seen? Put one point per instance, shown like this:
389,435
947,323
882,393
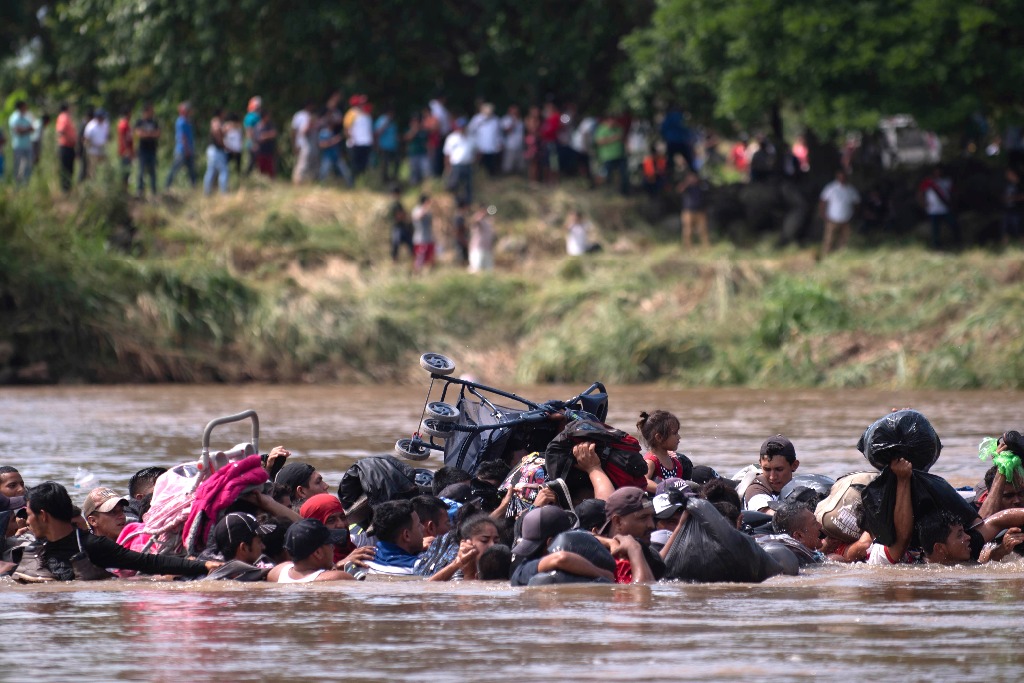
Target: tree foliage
223,51
839,65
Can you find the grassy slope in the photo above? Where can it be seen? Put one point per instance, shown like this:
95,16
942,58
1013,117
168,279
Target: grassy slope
283,284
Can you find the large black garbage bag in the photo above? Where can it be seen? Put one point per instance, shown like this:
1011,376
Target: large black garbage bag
710,550
379,478
582,543
928,493
904,434
620,454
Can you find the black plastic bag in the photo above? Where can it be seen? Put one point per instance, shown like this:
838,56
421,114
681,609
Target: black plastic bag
710,550
380,478
584,544
904,434
928,493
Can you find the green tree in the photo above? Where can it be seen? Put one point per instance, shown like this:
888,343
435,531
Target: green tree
836,64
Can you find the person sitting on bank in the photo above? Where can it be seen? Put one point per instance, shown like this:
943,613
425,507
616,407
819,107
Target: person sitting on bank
64,552
311,547
778,463
399,538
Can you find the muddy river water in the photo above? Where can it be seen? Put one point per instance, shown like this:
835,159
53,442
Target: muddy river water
841,623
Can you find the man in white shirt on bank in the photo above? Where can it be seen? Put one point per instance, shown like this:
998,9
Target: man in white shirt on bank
96,135
838,204
459,152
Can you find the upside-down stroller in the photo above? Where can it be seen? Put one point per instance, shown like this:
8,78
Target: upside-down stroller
473,427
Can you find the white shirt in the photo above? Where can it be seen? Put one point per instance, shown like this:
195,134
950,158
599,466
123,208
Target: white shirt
584,134
459,149
933,204
513,128
487,135
233,139
300,122
96,134
576,240
840,200
361,132
444,121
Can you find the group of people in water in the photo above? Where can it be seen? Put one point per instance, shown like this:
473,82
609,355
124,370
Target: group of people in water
516,520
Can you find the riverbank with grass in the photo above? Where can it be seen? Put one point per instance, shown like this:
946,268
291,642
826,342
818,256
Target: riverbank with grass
281,284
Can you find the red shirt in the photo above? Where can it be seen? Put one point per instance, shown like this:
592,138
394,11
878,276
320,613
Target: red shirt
623,571
125,144
66,133
549,129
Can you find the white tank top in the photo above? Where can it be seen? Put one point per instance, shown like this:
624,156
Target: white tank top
285,576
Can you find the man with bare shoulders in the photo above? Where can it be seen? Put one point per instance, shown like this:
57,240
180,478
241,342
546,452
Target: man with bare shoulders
311,546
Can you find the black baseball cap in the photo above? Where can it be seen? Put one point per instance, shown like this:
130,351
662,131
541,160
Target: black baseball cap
539,525
778,445
304,537
238,527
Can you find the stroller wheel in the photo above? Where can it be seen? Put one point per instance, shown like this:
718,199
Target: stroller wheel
442,412
436,428
436,364
412,450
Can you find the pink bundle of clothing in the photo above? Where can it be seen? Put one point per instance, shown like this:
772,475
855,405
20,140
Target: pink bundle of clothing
216,493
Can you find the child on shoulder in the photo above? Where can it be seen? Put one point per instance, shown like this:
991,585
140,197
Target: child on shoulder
660,432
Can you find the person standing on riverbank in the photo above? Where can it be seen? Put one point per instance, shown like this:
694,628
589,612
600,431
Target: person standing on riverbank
935,194
125,146
97,134
20,127
148,131
184,146
459,153
423,234
481,242
67,139
838,203
216,156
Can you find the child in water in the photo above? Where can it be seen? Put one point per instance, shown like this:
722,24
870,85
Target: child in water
660,431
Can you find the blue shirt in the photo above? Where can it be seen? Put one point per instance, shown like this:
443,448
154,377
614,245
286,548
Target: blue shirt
387,133
184,141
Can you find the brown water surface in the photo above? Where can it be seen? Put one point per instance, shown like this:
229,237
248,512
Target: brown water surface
912,623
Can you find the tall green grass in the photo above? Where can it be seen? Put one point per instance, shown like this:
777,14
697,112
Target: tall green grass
279,284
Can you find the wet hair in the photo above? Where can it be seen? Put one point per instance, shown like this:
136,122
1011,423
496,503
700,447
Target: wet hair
717,491
429,508
493,471
145,477
729,511
474,524
506,530
787,518
273,540
390,518
52,498
935,527
660,422
7,469
495,564
990,476
446,476
279,491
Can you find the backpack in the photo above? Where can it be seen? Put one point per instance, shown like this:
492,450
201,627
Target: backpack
841,512
619,452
